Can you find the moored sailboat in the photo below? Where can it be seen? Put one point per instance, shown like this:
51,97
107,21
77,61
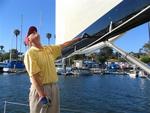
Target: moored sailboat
14,66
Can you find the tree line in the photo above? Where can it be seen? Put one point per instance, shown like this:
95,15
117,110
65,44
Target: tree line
108,54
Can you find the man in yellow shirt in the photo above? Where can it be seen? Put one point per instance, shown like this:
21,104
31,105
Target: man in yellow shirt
39,62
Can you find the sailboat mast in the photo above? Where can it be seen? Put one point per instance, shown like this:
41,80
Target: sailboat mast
40,22
21,32
149,30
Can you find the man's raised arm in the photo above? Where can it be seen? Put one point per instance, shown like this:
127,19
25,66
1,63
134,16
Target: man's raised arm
70,42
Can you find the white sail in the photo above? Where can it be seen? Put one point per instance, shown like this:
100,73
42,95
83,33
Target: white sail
73,16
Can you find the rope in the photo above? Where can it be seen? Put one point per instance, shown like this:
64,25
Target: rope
76,111
21,104
16,103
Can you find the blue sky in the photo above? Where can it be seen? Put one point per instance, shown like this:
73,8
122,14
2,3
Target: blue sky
41,13
134,39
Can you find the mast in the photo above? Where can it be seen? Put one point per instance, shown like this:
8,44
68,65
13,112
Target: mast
21,25
149,30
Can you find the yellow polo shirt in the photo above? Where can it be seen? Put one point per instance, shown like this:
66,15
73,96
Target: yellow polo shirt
42,61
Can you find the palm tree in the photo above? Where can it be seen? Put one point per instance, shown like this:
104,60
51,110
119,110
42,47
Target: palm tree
16,32
1,48
48,35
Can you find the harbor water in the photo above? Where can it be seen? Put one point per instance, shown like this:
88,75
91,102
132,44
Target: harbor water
84,94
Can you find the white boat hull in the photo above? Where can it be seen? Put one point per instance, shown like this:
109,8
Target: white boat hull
11,70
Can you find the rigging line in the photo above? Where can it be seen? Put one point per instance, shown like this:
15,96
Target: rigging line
63,108
16,103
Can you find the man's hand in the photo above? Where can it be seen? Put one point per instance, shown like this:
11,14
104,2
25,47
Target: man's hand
68,43
85,35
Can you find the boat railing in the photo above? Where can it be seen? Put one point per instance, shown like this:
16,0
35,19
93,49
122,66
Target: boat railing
62,108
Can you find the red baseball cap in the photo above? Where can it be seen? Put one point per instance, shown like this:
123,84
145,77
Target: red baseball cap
30,31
